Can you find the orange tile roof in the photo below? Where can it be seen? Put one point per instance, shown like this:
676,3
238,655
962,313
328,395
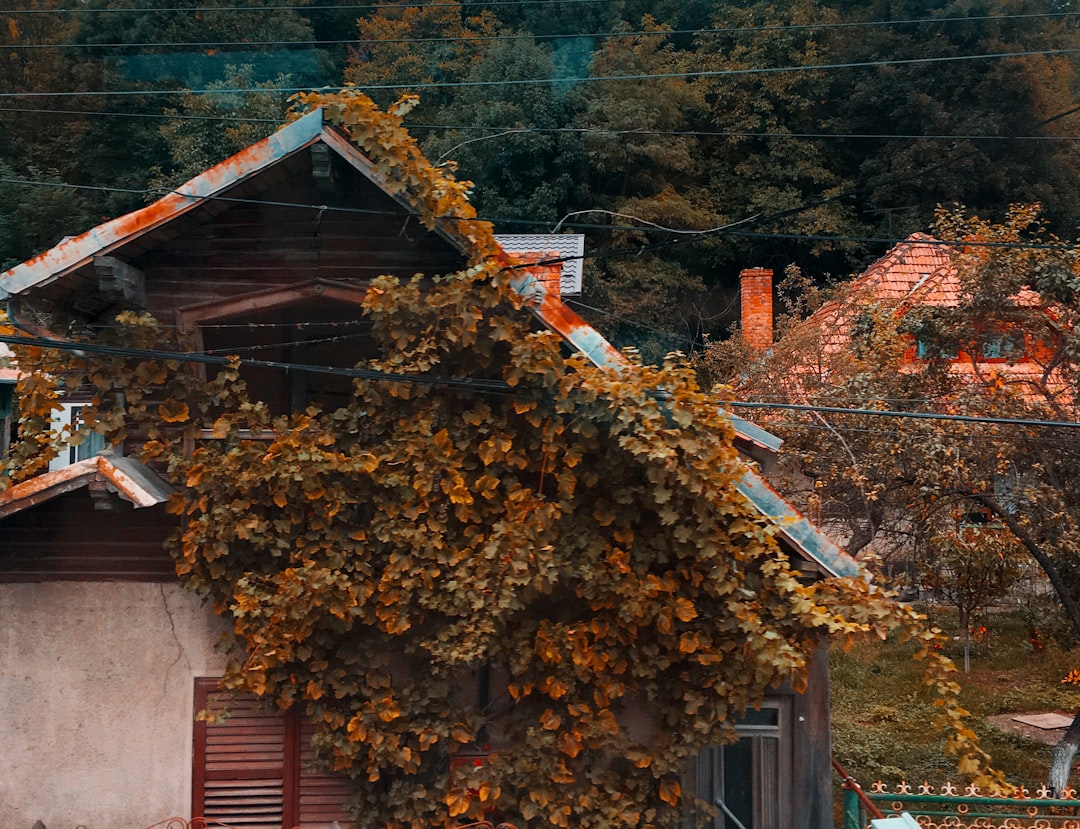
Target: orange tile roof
919,271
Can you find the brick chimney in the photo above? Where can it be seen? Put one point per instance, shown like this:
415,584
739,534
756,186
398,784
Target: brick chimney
755,290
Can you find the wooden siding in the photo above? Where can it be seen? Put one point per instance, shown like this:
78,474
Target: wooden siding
287,238
66,539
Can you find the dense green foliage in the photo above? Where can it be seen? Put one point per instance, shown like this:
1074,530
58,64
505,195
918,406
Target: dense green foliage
867,148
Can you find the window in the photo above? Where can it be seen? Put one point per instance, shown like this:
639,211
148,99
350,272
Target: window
93,443
750,781
255,768
1001,345
927,351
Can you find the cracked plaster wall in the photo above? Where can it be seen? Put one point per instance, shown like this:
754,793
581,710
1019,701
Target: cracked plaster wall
96,710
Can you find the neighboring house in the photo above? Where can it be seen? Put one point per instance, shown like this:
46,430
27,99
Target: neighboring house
916,279
106,659
918,273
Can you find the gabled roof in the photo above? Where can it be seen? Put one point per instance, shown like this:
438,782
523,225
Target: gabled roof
917,272
125,477
204,192
918,269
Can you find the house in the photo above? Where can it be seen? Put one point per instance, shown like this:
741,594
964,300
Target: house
1002,350
107,660
918,274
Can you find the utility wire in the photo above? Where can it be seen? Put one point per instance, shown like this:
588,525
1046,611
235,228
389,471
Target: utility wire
473,383
80,348
668,334
161,116
248,10
799,407
726,230
703,73
540,37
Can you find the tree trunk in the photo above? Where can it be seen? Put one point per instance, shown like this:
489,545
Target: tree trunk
963,623
1064,752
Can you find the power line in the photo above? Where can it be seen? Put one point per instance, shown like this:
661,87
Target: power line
725,230
799,407
530,130
881,240
473,383
703,73
541,37
79,348
160,116
248,10
628,321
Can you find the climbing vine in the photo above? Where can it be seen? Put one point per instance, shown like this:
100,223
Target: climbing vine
559,566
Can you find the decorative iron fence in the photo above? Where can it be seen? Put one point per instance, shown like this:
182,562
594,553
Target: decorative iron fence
958,807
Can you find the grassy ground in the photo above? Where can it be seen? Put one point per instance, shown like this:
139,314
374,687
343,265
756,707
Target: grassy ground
883,719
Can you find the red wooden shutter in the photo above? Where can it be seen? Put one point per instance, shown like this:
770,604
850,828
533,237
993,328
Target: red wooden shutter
239,771
256,768
322,795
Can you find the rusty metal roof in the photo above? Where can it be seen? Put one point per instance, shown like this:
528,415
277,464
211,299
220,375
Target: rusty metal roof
125,477
76,253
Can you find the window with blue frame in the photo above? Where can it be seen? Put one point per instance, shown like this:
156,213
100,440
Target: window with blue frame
1002,345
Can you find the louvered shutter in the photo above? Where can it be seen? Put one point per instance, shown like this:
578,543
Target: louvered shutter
255,768
321,795
239,771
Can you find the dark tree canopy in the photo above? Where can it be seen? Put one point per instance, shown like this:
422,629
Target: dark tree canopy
919,105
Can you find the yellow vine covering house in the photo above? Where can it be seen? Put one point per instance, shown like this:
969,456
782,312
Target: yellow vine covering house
483,563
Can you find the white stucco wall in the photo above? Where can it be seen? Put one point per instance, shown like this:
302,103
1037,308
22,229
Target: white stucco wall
96,708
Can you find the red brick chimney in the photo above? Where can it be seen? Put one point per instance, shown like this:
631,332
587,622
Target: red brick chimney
755,290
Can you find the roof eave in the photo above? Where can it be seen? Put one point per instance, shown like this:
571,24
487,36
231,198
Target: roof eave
126,477
793,527
796,529
78,251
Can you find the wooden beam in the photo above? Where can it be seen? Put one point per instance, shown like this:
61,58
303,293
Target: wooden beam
191,316
120,283
322,170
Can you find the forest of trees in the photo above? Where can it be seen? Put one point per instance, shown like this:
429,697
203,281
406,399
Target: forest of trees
805,131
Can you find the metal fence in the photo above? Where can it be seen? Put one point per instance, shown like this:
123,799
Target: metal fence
958,807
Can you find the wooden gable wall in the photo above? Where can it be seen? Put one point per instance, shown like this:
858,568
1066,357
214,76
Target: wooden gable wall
275,239
67,539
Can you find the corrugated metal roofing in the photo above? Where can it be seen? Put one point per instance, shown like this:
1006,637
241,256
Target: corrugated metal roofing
570,247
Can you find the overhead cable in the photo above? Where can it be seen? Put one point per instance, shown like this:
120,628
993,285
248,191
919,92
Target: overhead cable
730,229
983,420
533,130
703,73
305,8
473,383
79,348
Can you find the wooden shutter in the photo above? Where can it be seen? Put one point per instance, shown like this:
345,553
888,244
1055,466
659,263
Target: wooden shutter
321,794
255,768
239,771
